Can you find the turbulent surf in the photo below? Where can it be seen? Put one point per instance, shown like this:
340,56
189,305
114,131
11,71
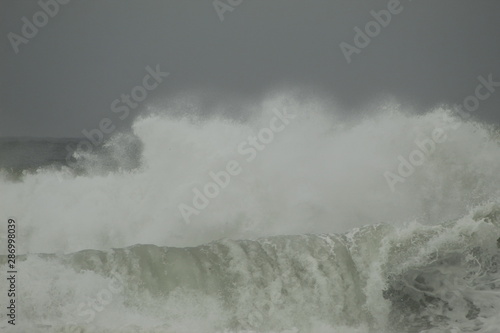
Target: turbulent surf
310,236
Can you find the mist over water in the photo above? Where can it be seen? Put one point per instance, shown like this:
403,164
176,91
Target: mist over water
317,175
358,257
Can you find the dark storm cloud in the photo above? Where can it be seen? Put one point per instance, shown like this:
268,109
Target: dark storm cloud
64,79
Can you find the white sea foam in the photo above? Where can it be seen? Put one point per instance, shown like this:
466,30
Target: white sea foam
321,175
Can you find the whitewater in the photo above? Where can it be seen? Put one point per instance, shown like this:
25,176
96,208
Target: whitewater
308,237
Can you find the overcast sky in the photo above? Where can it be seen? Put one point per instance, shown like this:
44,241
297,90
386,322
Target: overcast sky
65,78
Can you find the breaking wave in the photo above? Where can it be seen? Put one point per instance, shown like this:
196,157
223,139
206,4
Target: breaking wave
360,256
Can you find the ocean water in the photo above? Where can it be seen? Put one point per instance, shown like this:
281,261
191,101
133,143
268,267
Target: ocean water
308,237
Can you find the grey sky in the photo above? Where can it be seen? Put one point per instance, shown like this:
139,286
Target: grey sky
65,78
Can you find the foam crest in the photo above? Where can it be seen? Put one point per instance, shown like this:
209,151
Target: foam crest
320,174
